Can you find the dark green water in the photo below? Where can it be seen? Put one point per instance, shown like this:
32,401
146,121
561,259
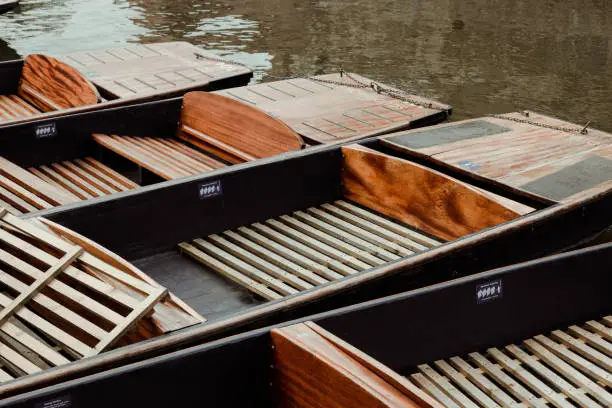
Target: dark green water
481,56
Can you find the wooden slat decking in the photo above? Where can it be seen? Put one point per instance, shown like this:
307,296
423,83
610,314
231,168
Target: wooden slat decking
565,369
50,286
13,107
145,69
324,112
167,158
293,253
551,163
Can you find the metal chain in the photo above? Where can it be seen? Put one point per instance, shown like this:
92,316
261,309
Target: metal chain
392,93
582,131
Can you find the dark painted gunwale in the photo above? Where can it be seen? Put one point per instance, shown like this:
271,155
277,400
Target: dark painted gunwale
282,182
400,331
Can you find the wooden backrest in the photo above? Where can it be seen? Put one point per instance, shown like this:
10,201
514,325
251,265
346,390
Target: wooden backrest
232,130
311,372
52,85
419,196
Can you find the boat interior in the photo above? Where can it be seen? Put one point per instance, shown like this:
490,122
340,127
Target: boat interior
488,340
42,84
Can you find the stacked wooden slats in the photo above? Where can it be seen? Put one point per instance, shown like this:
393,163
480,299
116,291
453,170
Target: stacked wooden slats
54,308
84,178
167,158
13,107
296,252
567,368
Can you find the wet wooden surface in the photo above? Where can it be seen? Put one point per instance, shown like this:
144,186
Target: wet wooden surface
324,112
551,163
145,69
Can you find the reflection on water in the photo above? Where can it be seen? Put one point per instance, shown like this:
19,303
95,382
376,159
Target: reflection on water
479,55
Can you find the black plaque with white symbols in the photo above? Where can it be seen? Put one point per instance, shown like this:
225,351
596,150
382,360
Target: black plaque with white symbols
489,291
211,189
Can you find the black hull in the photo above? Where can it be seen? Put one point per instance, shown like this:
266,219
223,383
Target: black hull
399,331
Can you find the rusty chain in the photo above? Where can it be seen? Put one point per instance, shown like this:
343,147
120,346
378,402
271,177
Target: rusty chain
582,131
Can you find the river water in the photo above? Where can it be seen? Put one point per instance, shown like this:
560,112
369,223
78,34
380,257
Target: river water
481,56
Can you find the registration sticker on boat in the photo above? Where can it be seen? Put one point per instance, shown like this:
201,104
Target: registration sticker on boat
489,291
63,401
211,189
46,130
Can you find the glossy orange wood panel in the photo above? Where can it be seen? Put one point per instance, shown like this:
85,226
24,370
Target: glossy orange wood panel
418,196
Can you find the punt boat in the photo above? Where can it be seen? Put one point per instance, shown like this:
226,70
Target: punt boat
52,162
263,242
42,86
8,5
536,334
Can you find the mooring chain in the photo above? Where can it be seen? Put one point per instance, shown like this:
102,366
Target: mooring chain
582,131
376,87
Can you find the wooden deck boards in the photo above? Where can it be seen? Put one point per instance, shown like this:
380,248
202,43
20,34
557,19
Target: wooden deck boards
145,69
293,253
324,112
565,369
14,107
551,163
51,286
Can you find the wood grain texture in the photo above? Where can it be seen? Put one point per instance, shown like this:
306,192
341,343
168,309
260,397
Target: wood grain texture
50,84
522,154
234,130
311,372
326,112
418,196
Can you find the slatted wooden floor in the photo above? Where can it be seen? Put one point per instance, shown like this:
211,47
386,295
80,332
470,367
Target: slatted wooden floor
55,309
85,178
143,69
324,112
551,163
568,368
13,107
293,253
168,158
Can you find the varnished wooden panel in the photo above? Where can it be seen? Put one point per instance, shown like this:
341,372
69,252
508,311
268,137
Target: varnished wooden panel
50,84
418,196
518,156
325,112
145,69
311,372
234,130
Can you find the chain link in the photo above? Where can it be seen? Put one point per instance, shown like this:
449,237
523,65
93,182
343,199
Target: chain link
392,93
582,131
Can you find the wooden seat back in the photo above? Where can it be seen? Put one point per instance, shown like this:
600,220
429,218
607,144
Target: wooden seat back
419,196
314,370
232,130
51,85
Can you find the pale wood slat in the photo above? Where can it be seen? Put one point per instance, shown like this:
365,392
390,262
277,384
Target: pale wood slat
592,339
583,349
433,390
446,386
603,331
465,384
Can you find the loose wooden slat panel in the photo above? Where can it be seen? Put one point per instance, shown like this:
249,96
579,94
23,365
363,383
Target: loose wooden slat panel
4,376
24,194
19,203
77,179
50,175
34,344
326,112
88,178
50,84
10,355
111,173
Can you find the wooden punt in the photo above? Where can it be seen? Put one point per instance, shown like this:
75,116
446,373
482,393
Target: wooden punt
46,163
41,86
8,5
311,230
537,334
